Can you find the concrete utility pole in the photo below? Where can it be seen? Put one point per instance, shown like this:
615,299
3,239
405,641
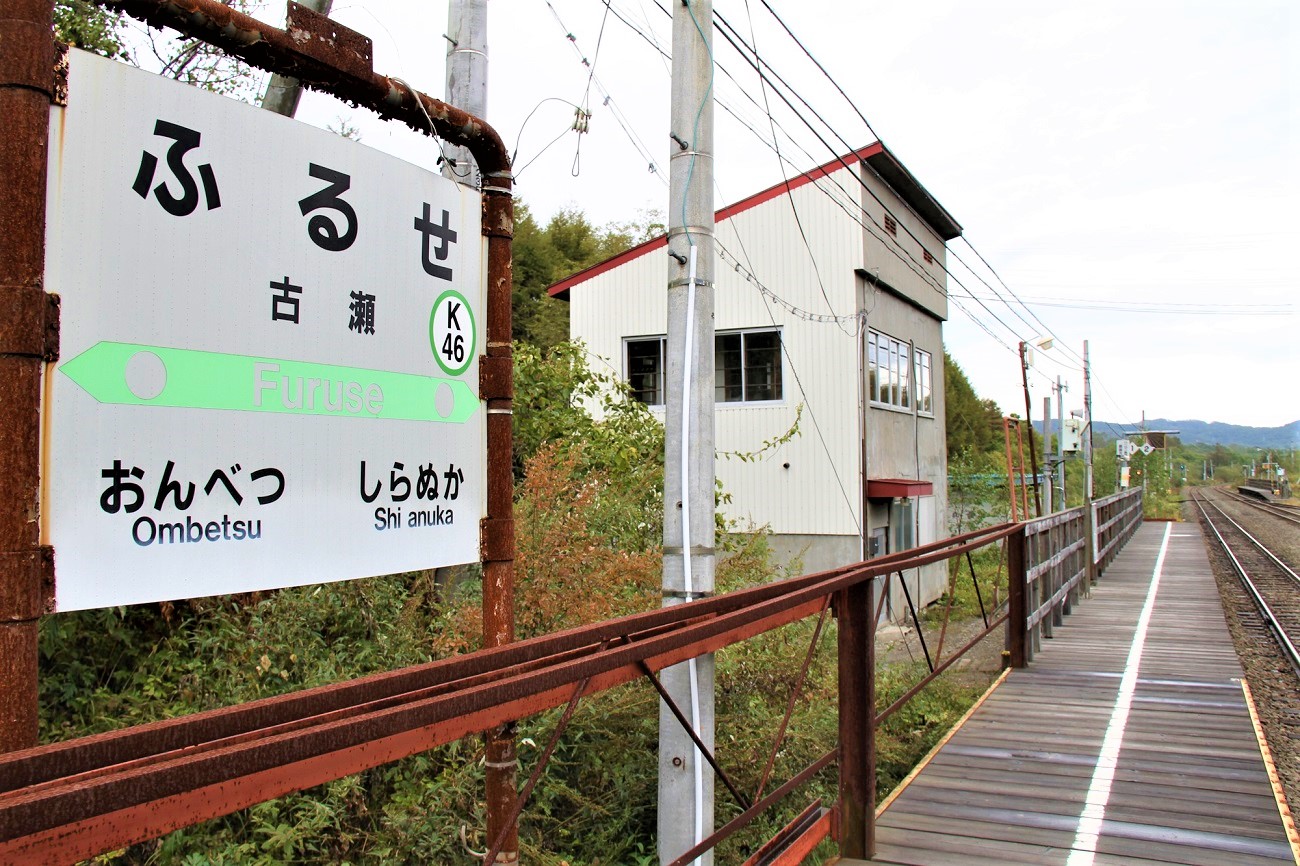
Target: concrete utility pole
282,92
685,779
467,68
1047,453
1029,422
1090,518
466,89
1060,440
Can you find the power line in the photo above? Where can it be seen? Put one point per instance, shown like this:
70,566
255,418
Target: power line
733,37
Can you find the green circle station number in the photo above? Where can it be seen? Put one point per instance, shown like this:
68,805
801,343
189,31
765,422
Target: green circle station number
452,333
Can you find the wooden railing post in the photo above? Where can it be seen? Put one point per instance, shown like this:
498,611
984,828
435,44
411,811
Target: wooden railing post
1017,614
857,688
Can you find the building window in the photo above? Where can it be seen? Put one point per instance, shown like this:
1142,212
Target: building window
891,225
747,367
898,376
924,383
645,369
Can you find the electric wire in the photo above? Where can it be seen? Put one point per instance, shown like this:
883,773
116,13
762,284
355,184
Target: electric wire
789,193
867,123
607,99
733,37
812,415
520,135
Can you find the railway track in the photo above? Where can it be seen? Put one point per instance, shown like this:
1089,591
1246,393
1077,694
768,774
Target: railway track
1282,511
1272,585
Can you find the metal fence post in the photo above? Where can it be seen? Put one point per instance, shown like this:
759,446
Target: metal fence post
26,85
1017,614
857,688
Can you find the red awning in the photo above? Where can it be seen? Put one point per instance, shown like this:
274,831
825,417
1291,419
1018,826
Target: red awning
891,488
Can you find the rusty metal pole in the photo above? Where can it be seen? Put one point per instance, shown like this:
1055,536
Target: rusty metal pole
1029,419
1017,612
498,534
26,314
857,689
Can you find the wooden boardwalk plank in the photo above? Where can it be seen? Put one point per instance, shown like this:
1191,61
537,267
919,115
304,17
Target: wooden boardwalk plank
1189,785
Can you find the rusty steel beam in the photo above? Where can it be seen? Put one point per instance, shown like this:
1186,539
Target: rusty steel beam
704,750
1017,646
26,89
745,818
795,691
857,732
796,840
118,747
929,678
77,815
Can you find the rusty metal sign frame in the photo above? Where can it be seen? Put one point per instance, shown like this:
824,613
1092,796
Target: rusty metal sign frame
321,55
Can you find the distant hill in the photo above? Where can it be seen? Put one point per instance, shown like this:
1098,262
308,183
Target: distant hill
1214,432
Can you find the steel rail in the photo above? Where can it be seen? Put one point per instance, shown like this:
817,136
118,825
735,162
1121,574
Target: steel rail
1276,509
1259,545
1270,619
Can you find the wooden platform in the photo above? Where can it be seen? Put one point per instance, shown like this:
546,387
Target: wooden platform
1120,744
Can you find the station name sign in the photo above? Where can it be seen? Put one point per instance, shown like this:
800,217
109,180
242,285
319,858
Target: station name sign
268,370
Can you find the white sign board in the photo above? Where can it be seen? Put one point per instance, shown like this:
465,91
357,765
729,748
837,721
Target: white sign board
268,368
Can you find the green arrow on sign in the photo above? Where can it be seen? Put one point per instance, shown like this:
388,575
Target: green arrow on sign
136,375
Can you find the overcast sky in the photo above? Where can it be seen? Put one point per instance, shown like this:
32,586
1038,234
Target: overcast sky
1108,159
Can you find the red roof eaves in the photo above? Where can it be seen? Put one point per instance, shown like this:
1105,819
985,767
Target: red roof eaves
561,289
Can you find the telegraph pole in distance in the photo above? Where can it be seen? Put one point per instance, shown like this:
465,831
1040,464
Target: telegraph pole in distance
1060,440
1091,519
685,780
1047,454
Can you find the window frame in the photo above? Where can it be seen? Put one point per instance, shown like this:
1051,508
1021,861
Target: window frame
662,373
900,375
777,365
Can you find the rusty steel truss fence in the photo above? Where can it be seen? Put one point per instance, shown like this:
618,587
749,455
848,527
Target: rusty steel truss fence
69,801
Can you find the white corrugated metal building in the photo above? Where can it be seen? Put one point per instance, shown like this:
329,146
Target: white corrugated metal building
798,263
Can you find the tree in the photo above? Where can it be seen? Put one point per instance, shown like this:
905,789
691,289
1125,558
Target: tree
545,255
971,424
84,25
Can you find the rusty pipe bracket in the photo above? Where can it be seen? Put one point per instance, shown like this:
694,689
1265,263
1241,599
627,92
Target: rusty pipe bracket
496,540
30,328
324,40
325,57
26,584
496,377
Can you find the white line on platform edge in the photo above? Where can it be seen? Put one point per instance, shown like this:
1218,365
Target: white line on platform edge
1084,849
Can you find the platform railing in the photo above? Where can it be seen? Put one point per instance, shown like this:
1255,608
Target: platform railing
1116,517
1048,566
